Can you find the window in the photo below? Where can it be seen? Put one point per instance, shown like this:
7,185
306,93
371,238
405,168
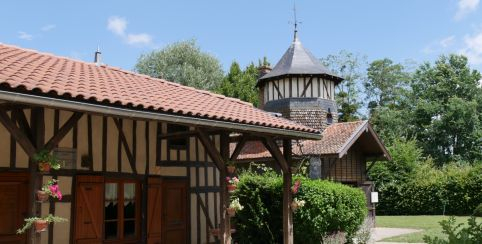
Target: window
121,210
177,143
329,117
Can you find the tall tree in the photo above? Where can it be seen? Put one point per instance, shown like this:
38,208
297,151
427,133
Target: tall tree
182,62
348,66
386,90
446,109
241,83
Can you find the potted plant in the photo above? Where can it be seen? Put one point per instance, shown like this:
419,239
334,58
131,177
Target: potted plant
51,188
39,224
295,188
234,206
232,183
295,204
46,161
230,167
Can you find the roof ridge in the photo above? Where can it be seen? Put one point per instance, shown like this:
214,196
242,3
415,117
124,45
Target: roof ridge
118,69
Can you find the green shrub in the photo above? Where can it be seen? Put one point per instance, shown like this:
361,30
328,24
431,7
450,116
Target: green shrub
330,207
455,190
478,211
456,234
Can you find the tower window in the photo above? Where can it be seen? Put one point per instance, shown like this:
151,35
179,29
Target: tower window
329,117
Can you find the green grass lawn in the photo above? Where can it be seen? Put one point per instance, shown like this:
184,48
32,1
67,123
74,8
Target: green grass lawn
428,223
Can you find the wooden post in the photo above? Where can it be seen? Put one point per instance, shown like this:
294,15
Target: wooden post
38,131
225,219
283,160
287,179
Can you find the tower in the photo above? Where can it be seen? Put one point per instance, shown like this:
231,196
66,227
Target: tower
300,88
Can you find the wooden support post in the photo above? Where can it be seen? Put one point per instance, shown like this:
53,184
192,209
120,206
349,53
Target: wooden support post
37,123
283,160
219,158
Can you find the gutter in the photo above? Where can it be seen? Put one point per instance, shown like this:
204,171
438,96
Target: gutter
130,113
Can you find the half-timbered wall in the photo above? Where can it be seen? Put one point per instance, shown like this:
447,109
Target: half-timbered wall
350,169
112,154
298,87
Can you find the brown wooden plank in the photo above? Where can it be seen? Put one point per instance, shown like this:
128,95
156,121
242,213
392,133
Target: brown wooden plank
126,145
211,149
71,122
238,149
22,122
277,89
104,144
89,142
303,94
18,134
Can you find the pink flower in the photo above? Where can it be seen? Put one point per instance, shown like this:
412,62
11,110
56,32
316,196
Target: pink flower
59,195
296,187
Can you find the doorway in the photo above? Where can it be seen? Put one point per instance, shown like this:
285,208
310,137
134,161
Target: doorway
13,206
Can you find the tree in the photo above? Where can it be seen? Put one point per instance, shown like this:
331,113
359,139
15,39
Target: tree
241,83
182,62
348,66
386,87
446,109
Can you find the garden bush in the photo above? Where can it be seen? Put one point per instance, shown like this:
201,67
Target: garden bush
330,207
453,190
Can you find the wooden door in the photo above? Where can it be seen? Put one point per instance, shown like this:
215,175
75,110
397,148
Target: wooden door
154,213
89,208
13,206
174,211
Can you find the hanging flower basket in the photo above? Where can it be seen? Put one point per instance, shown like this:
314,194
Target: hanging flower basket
231,212
296,204
40,225
44,167
231,188
46,161
214,232
231,169
42,196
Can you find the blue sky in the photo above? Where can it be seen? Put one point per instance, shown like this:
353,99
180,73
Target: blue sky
246,30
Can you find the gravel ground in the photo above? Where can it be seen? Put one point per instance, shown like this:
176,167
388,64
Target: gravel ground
382,233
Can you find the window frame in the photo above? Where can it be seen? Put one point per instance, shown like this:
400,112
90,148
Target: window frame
120,211
171,143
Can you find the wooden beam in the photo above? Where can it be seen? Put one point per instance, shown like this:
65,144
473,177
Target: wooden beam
18,134
277,89
178,135
123,139
63,131
211,150
205,211
23,122
303,94
238,148
273,148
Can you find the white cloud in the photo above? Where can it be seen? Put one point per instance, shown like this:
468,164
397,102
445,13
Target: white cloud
117,25
465,7
439,45
447,42
135,39
473,48
48,27
25,36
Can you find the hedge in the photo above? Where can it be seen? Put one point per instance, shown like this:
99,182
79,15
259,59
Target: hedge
330,207
452,190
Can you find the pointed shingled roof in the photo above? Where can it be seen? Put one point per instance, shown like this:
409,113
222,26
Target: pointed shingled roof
299,61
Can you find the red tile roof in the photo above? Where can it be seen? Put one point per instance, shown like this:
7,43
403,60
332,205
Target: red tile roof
333,139
63,77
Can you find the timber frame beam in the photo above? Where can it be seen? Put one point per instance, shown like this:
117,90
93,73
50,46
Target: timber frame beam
125,144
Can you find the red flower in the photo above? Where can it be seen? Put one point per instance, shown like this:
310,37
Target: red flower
296,186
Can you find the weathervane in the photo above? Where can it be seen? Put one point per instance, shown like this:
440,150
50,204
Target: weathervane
296,20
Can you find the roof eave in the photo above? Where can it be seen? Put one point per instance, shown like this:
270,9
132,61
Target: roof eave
142,114
334,78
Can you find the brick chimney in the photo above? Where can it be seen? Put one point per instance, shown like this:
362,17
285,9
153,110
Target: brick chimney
262,70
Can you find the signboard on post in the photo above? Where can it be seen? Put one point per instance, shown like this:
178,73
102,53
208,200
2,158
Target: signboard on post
374,197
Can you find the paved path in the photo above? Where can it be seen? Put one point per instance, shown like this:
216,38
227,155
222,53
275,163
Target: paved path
382,233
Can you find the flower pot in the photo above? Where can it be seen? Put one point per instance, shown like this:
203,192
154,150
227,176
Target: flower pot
294,206
231,169
231,212
44,167
42,196
40,225
214,232
231,188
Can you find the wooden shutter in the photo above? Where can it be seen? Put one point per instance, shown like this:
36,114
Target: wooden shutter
89,209
13,206
154,213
